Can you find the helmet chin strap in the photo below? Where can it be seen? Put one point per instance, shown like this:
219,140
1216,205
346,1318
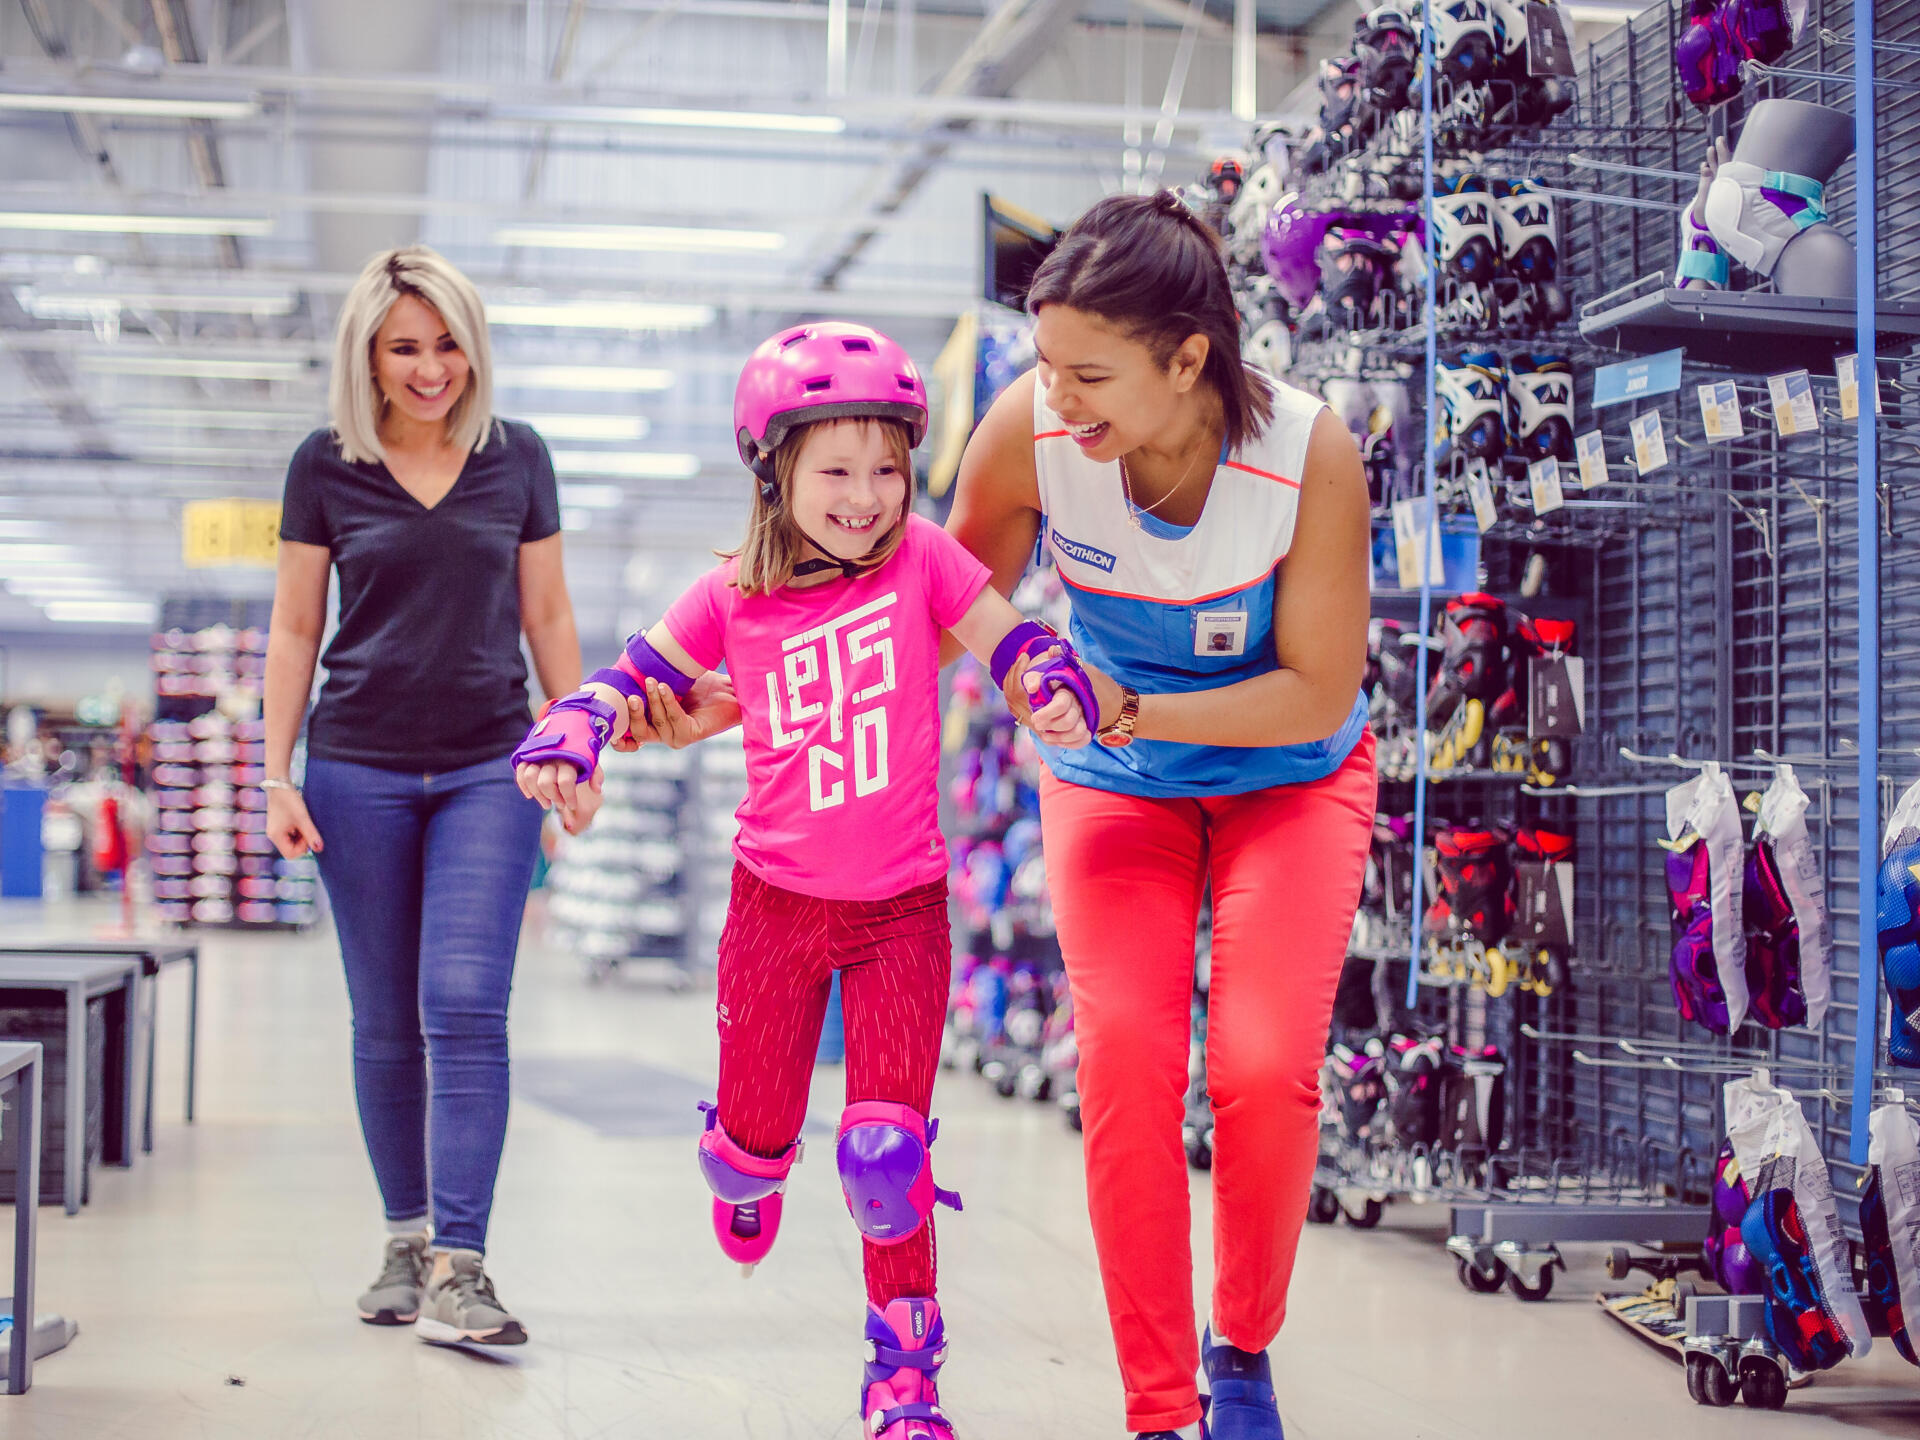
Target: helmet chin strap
827,560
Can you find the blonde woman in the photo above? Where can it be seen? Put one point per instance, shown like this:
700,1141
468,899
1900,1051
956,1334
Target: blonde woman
443,524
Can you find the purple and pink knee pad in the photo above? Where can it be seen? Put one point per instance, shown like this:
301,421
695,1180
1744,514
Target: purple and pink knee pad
747,1191
884,1153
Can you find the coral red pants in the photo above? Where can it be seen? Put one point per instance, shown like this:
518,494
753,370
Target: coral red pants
1127,876
777,957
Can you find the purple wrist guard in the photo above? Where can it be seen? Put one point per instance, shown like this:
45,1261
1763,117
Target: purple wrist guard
574,730
639,663
1062,671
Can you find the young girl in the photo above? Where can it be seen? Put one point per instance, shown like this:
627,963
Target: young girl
829,620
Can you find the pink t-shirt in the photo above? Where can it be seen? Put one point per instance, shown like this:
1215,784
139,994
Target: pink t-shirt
840,705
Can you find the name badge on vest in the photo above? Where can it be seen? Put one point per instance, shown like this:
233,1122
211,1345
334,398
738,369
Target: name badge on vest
1219,633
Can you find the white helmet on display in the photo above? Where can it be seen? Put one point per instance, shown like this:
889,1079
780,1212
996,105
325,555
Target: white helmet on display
1271,348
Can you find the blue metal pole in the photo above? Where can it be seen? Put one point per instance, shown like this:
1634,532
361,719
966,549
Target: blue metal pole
1866,1040
1429,517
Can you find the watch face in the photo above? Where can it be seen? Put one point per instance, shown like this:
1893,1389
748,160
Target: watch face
1115,741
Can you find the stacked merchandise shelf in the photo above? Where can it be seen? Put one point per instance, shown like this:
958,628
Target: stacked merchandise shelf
1456,322
1010,1016
211,859
623,892
1739,620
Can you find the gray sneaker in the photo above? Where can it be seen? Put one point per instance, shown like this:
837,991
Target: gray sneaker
461,1306
394,1298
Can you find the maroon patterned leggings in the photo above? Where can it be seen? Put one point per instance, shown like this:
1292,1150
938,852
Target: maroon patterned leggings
777,958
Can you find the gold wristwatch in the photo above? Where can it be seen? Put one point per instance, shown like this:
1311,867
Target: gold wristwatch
1119,732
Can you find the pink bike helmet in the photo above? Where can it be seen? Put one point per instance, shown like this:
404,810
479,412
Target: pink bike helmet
829,370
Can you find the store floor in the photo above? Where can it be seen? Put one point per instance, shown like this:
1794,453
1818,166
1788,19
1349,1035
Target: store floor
214,1283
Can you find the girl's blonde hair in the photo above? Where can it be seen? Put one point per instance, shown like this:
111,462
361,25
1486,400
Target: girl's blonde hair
774,544
354,399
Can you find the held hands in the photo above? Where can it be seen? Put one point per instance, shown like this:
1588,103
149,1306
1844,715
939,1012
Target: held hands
1058,720
557,786
660,718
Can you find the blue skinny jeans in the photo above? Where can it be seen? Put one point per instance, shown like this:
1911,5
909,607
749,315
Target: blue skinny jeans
428,878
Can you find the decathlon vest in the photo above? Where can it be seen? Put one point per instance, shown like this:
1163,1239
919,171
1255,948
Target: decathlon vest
1170,610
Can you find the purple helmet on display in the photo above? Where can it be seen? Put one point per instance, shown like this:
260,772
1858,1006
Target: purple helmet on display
829,370
1290,246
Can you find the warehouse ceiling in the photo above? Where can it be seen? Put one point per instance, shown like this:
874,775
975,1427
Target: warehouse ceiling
642,189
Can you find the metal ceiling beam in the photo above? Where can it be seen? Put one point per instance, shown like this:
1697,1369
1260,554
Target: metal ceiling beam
1009,43
178,45
480,100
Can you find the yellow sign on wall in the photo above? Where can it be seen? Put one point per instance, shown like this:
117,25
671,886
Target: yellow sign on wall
229,532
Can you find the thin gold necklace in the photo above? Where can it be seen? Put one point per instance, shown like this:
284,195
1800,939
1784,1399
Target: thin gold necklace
1134,512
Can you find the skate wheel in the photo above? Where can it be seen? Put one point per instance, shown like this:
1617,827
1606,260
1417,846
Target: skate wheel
746,1271
1323,1207
1500,972
1762,1386
1708,1382
1534,1293
1619,1263
1368,1217
1478,1280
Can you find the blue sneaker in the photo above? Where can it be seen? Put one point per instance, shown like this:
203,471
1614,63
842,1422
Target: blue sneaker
1241,1381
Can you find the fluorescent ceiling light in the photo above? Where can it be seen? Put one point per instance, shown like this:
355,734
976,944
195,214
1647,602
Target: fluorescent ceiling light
103,612
36,554
222,419
605,315
84,305
105,224
588,427
77,590
152,105
642,466
196,367
639,237
23,529
1600,14
582,377
688,119
591,497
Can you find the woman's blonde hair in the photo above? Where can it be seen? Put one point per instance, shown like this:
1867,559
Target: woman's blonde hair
354,400
774,544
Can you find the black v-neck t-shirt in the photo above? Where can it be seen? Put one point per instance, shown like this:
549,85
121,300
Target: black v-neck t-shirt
425,672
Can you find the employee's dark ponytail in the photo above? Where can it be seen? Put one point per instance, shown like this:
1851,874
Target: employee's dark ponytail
1149,265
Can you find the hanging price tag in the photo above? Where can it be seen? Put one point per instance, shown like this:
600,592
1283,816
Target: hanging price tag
1485,513
1592,450
1649,443
1794,412
1410,517
1846,368
1543,478
1720,411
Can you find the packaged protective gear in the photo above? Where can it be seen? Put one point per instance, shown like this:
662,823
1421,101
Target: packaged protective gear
1708,968
1732,1267
1789,936
1890,1221
1466,237
1899,926
1793,1230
